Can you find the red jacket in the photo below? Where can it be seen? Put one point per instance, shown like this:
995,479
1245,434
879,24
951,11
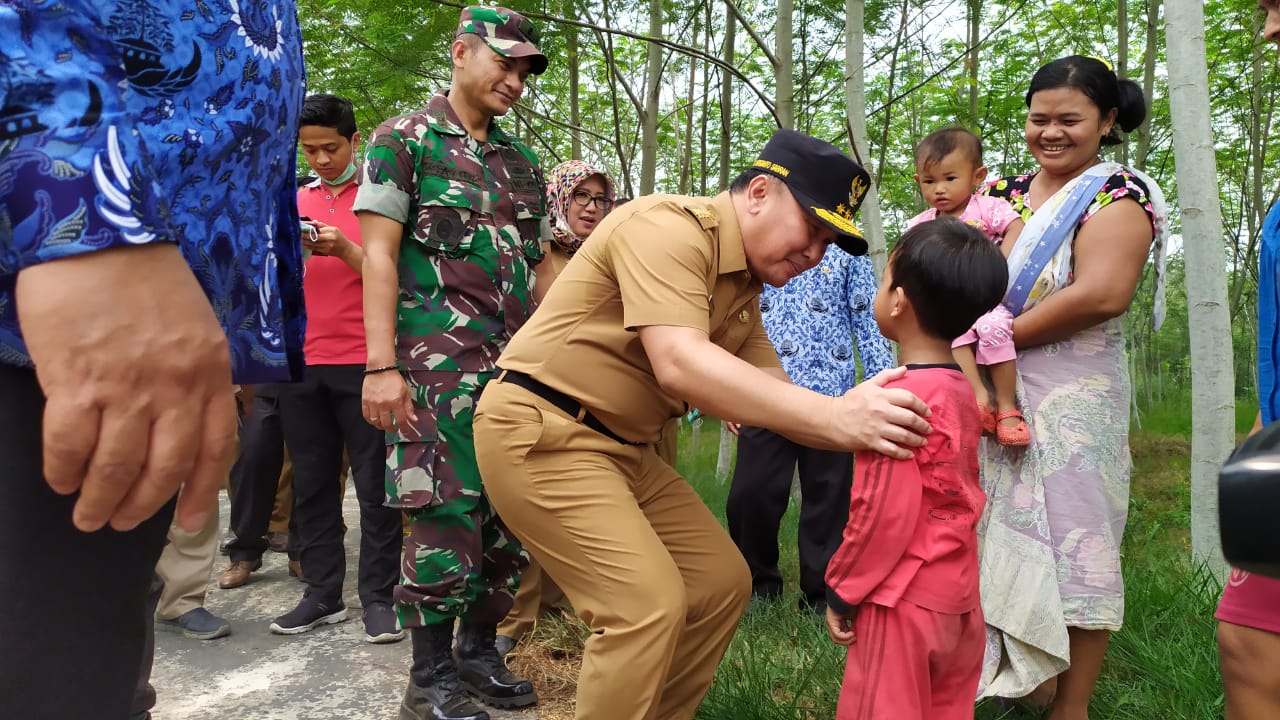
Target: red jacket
912,528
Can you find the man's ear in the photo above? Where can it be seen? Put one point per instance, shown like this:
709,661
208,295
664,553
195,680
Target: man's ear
355,140
458,52
758,190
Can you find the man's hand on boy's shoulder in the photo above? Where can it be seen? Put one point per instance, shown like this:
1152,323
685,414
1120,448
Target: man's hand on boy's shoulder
890,421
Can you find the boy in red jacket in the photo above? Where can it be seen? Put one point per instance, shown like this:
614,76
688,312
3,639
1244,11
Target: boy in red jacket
902,590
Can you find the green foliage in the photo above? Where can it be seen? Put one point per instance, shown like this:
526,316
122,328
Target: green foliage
390,56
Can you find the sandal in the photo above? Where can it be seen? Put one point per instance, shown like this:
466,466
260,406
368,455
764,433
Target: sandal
988,415
1016,436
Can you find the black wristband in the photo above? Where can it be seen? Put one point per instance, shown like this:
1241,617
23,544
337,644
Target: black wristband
384,368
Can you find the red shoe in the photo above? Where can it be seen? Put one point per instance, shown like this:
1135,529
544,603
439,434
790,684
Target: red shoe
1013,436
988,415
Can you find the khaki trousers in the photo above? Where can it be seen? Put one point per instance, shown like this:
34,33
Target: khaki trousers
538,593
185,566
642,559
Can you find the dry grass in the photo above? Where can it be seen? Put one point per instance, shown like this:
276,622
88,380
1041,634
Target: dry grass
549,657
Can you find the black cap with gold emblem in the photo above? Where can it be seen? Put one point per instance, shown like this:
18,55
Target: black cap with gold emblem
828,184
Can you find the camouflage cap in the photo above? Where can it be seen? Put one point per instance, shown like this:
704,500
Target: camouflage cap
509,33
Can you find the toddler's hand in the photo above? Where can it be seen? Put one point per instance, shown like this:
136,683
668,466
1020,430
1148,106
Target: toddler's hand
840,627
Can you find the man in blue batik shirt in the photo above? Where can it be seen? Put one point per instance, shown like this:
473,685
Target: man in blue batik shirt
812,322
149,257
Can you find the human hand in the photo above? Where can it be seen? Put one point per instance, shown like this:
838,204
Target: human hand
733,427
840,627
384,398
138,390
889,421
327,240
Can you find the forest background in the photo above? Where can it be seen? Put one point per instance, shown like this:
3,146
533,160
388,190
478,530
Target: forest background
679,97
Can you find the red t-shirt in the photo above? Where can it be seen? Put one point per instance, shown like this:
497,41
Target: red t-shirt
333,291
912,528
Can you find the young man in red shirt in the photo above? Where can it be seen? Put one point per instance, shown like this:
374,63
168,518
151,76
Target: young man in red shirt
322,413
902,589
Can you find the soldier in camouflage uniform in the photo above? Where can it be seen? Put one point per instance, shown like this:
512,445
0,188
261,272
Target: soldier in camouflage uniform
452,212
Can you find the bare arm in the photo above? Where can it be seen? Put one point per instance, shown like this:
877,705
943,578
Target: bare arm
1110,252
1011,234
331,241
385,396
688,365
544,274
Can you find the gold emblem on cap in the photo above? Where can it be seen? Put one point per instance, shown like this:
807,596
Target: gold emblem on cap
744,316
840,222
857,189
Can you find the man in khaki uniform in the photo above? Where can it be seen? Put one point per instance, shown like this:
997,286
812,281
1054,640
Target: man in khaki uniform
661,307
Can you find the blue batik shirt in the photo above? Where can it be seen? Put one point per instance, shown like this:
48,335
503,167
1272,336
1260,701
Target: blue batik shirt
125,122
814,319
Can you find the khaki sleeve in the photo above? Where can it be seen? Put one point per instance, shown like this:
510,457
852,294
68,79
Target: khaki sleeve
757,349
661,259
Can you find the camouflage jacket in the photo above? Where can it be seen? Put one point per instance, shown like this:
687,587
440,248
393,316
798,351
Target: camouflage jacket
474,221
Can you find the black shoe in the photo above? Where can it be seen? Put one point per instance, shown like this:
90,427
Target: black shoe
434,692
309,614
483,672
380,624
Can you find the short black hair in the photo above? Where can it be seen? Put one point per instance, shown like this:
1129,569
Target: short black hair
329,111
940,143
951,273
1100,84
745,177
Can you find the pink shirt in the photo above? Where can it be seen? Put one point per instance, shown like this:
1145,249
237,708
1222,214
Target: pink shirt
912,529
991,215
332,290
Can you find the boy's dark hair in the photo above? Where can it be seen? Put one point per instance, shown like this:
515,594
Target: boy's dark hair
329,111
950,272
941,143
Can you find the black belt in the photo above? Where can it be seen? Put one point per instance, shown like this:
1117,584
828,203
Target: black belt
571,407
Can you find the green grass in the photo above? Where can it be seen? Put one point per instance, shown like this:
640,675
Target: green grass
1172,417
1162,666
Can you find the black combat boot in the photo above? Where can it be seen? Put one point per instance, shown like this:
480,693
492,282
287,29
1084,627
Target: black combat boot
483,672
434,692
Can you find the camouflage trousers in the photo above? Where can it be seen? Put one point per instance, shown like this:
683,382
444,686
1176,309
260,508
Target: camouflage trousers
459,559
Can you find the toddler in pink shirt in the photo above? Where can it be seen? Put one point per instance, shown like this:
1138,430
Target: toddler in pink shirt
948,169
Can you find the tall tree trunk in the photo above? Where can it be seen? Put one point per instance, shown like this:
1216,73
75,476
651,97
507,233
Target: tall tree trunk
649,118
1149,56
686,154
784,70
726,101
856,109
975,37
1122,58
1212,371
706,104
575,109
878,173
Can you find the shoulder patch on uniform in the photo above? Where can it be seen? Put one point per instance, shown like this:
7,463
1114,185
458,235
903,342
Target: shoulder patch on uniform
705,217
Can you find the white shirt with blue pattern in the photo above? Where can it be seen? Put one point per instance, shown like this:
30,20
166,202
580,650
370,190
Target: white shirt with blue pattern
815,318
